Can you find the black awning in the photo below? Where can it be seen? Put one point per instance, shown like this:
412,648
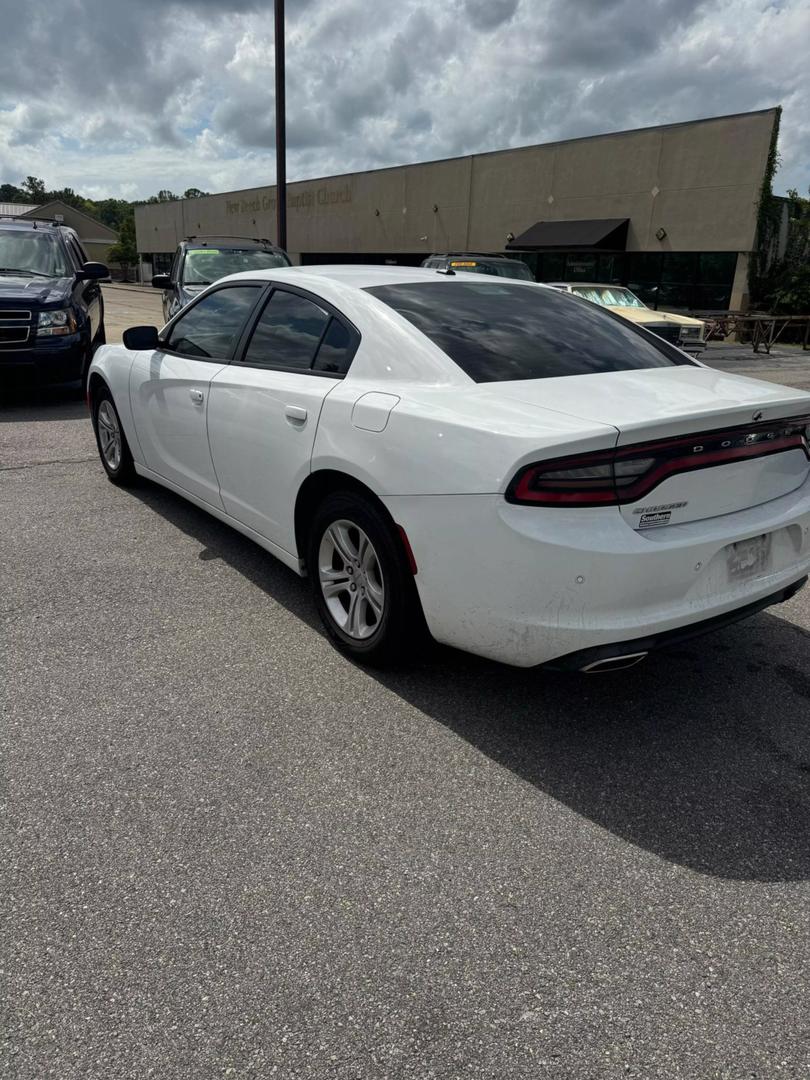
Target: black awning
600,234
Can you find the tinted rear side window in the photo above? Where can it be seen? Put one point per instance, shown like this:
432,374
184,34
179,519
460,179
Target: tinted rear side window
496,332
288,332
336,351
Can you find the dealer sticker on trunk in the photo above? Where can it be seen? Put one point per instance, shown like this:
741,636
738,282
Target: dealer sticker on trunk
649,521
652,516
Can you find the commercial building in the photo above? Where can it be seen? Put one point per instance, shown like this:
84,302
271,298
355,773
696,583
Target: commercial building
669,210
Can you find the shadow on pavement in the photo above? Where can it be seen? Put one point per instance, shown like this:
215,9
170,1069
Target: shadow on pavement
27,406
700,756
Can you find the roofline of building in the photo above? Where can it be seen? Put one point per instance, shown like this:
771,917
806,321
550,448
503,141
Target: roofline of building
81,213
483,153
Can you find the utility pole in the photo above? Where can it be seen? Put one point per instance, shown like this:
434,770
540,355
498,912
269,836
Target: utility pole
281,131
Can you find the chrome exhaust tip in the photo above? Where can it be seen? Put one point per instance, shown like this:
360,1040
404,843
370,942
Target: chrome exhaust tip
614,663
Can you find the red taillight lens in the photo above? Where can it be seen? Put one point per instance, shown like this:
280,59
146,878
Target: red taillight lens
576,481
628,473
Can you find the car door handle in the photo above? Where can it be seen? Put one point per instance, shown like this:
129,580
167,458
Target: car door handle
197,396
295,413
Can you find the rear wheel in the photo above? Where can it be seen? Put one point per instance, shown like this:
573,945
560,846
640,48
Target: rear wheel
112,443
363,588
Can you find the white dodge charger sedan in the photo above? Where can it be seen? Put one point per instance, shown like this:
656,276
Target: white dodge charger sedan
531,477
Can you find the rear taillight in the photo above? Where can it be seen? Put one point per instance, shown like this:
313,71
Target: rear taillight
628,473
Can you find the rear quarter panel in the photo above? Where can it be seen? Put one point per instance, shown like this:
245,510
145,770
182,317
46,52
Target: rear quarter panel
444,440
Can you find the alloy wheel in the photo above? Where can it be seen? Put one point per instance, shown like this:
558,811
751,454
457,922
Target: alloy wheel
109,434
351,579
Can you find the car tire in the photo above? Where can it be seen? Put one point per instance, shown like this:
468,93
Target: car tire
113,447
361,581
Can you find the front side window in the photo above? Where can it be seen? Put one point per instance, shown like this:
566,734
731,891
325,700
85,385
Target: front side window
32,254
496,331
77,253
210,328
288,332
205,265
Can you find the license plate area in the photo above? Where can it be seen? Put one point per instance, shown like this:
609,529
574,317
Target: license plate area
748,558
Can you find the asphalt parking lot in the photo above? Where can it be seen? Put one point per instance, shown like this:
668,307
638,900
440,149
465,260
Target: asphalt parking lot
229,852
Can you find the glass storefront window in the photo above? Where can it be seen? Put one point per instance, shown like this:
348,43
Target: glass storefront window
671,279
580,267
717,267
642,266
675,295
644,290
712,297
679,266
551,266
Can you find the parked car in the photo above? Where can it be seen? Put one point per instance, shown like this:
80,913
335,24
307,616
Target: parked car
201,260
51,307
682,330
536,478
468,263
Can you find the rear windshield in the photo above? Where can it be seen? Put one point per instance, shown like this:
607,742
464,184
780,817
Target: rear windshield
206,265
504,269
496,331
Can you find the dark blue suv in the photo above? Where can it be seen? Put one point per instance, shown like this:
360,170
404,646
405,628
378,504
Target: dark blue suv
51,308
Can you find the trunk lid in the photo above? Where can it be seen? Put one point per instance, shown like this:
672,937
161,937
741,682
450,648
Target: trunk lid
659,404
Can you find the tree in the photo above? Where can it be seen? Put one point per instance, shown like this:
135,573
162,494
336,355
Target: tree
193,193
125,252
113,212
34,189
11,193
785,289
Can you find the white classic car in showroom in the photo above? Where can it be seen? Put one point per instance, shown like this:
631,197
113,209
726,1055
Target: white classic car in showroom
526,474
681,330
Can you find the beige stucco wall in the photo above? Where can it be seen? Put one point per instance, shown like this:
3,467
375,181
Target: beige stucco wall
698,181
739,289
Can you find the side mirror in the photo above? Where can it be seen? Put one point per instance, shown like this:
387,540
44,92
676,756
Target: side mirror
93,271
141,337
161,281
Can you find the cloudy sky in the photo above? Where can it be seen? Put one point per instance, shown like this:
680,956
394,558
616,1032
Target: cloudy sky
138,95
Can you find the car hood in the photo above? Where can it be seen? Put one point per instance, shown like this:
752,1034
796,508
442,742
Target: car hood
33,290
647,315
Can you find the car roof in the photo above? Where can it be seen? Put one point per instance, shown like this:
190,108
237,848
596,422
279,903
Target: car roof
43,225
359,276
472,255
228,242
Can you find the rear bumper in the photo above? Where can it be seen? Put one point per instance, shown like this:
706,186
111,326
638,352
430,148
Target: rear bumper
529,585
60,361
588,659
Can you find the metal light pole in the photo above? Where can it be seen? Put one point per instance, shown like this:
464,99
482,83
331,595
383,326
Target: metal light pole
281,131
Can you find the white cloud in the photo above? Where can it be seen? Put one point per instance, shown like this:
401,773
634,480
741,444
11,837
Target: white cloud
166,94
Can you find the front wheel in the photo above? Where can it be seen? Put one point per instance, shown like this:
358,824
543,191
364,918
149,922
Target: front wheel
363,588
112,443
